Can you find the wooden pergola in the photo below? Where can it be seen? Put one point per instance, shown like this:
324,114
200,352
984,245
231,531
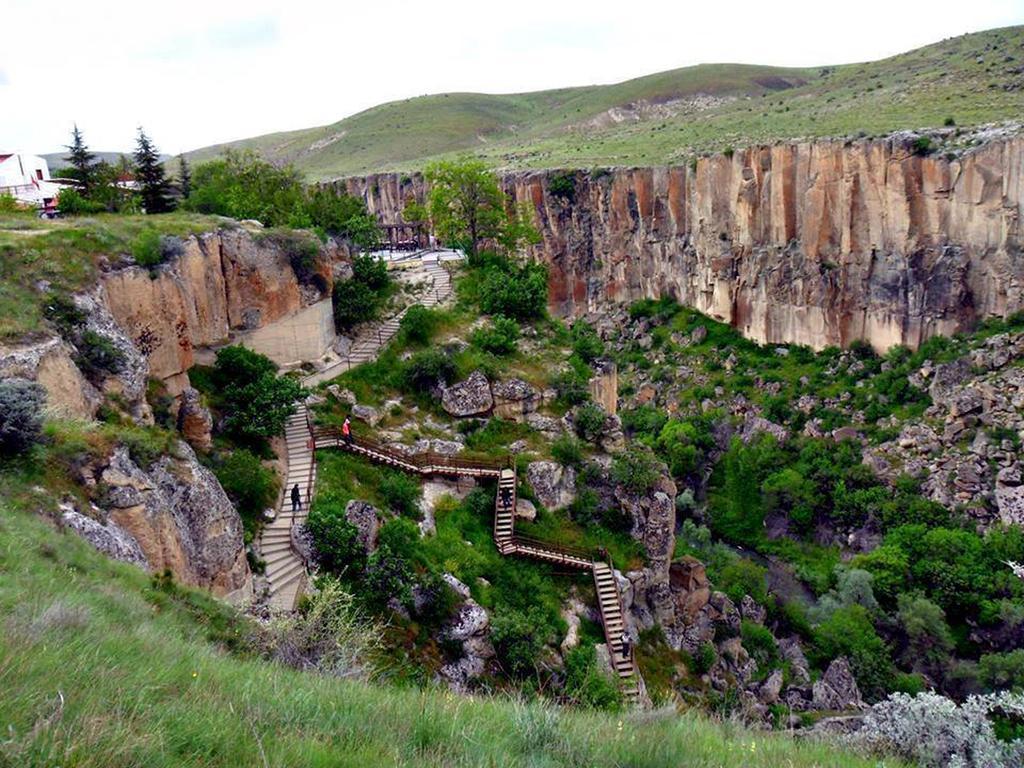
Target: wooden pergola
408,236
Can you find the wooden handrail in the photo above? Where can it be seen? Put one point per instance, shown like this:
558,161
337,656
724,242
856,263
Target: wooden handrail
557,549
312,463
421,461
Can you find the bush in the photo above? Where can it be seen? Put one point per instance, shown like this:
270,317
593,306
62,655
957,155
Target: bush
571,386
563,186
361,298
401,494
425,370
147,249
999,671
760,644
335,539
637,471
936,732
256,401
704,658
740,577
520,292
21,415
251,486
388,577
519,636
97,356
585,684
848,632
589,421
499,338
71,202
585,342
418,324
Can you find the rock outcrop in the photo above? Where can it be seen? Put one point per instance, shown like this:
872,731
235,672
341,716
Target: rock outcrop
50,363
471,397
554,484
224,286
815,243
178,515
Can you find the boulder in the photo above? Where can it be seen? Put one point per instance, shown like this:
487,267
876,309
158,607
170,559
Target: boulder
363,515
515,399
194,420
180,516
470,627
366,413
471,397
768,692
1009,495
837,689
525,510
108,538
554,484
751,611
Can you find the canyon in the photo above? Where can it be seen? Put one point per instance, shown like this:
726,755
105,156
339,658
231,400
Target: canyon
818,243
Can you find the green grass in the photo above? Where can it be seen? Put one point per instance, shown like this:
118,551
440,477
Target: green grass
142,685
569,127
65,253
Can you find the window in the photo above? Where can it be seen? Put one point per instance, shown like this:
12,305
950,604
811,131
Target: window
39,173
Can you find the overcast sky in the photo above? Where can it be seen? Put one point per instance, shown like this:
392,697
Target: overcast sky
200,72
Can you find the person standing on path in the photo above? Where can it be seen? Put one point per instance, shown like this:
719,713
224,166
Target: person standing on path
296,498
346,430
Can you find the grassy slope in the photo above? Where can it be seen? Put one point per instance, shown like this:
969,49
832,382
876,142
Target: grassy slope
142,685
64,253
962,78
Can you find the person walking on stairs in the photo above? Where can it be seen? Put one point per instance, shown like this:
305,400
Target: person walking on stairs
346,430
296,498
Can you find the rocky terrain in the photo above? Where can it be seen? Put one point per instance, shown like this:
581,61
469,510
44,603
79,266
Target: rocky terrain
815,243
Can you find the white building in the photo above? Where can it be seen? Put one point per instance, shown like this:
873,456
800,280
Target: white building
27,178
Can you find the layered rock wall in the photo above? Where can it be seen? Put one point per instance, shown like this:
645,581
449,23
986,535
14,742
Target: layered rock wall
815,243
225,286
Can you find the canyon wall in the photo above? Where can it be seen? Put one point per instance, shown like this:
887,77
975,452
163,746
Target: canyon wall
813,243
226,286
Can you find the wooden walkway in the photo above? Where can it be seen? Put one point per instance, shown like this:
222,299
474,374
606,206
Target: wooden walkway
509,543
286,571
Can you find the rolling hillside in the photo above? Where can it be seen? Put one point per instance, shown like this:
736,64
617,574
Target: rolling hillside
669,116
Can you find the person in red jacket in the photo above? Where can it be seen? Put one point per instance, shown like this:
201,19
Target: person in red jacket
346,430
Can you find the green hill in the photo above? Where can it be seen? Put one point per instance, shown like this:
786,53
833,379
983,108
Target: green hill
100,666
670,116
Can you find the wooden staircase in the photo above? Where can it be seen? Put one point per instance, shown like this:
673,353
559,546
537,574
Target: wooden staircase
609,600
507,540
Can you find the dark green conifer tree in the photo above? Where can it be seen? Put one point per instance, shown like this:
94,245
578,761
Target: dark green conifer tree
154,187
82,160
184,177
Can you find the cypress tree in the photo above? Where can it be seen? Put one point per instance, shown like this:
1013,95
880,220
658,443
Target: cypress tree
184,178
81,159
149,171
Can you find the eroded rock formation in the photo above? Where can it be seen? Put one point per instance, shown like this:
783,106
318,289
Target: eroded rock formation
813,243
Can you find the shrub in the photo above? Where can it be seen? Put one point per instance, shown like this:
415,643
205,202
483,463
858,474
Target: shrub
571,386
935,732
418,324
251,486
922,145
563,186
588,421
760,644
848,632
1000,671
585,341
148,249
636,470
335,539
585,684
704,658
401,493
499,338
8,203
303,252
388,577
361,298
257,402
567,451
62,311
71,202
97,356
740,577
21,415
426,369
929,641
949,122
520,292
519,636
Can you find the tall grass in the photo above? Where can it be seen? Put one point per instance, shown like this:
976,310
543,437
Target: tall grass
97,670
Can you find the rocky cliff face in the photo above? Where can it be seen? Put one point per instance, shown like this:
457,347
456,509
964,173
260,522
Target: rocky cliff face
813,243
222,285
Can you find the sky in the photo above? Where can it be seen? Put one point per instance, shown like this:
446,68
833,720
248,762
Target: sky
195,73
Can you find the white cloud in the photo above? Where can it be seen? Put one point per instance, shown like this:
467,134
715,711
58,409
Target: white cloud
198,72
